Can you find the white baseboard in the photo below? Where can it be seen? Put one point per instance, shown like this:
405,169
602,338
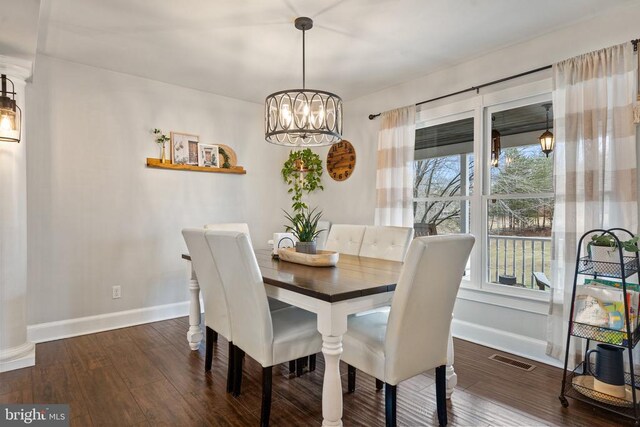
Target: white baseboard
519,345
51,331
18,357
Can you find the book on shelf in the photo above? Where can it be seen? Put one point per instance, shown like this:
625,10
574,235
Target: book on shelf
602,305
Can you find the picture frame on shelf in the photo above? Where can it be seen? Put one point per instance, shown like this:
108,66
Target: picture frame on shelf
184,148
208,155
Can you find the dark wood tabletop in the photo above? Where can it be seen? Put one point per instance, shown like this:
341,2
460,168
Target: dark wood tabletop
353,277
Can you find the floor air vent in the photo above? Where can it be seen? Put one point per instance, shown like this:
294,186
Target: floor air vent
512,362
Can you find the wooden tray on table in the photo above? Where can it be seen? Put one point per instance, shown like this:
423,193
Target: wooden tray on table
320,259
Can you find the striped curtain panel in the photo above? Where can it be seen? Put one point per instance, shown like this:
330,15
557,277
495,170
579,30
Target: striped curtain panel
394,177
595,165
636,109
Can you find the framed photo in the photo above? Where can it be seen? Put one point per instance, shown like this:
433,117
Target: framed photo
184,149
209,156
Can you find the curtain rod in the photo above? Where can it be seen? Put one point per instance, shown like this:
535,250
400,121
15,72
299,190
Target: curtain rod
477,88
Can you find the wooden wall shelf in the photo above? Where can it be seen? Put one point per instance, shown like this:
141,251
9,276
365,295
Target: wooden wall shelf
155,163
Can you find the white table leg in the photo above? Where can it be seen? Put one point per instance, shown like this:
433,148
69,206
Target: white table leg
332,325
194,335
452,377
332,385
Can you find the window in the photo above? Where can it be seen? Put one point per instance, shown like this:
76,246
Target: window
443,177
520,203
509,206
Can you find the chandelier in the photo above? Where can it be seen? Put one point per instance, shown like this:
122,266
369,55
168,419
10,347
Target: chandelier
10,113
303,117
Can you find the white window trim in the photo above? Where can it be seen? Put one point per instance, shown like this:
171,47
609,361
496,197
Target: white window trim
441,199
477,287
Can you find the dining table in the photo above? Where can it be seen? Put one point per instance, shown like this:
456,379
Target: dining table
355,285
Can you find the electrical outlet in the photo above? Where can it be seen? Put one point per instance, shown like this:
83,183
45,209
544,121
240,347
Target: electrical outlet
116,292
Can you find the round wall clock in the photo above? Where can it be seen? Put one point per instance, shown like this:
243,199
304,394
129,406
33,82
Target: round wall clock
341,160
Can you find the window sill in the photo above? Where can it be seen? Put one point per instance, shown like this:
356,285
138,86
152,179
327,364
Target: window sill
517,299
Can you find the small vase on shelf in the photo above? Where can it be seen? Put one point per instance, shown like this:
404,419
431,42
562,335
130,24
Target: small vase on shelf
161,139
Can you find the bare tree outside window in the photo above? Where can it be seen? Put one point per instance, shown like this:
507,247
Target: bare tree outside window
436,180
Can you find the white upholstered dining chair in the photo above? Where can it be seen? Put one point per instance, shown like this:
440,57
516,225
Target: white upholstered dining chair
345,238
268,337
242,227
321,240
384,242
413,336
216,315
230,226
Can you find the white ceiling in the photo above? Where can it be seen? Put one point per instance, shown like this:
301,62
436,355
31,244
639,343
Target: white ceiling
19,28
247,49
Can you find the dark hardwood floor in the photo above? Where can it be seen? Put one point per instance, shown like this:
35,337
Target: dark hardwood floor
147,375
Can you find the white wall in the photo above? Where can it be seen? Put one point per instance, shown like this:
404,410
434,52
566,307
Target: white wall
15,349
354,199
98,217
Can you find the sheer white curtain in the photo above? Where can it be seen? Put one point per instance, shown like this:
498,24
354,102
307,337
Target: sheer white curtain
595,164
394,177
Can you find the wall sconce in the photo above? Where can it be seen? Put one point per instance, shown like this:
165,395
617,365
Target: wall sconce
547,141
10,113
495,145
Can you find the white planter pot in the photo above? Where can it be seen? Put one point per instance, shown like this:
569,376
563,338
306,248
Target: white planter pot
605,254
606,260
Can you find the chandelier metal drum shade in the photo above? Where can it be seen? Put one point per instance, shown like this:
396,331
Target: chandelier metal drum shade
303,117
10,113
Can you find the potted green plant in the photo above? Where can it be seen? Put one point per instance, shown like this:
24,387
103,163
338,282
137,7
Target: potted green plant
604,247
303,173
304,226
225,156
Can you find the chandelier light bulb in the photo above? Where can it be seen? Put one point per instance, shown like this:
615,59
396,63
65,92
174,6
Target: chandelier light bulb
6,123
286,116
